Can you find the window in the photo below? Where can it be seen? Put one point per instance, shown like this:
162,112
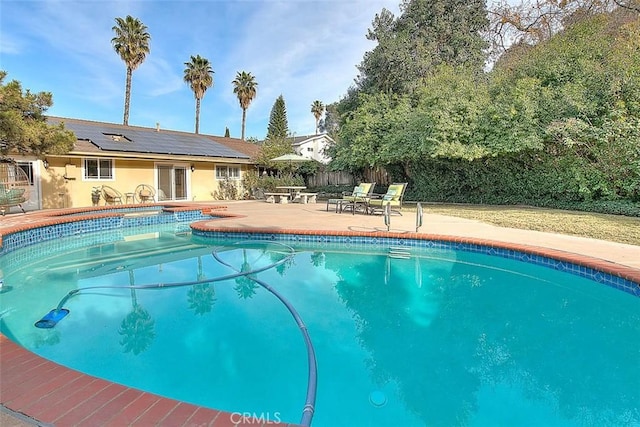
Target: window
309,148
27,167
231,172
98,169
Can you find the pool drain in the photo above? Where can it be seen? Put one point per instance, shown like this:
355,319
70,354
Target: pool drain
377,398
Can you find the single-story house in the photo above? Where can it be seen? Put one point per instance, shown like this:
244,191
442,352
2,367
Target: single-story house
179,165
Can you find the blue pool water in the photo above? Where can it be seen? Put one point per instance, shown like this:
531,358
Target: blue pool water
433,337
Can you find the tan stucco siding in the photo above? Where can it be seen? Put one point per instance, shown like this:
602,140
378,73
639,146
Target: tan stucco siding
63,183
202,181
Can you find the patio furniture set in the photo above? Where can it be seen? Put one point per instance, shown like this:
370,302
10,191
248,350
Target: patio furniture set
291,193
362,199
142,194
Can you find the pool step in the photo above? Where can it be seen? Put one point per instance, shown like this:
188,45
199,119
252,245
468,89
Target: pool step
141,214
401,253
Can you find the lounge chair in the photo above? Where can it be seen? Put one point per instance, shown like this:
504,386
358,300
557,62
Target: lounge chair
339,202
111,196
144,193
393,197
358,199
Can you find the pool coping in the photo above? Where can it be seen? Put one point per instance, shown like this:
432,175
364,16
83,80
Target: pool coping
47,392
608,267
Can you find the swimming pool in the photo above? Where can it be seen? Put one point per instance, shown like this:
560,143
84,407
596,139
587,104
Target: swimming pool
412,335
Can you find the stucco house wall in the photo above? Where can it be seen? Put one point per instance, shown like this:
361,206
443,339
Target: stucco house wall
181,163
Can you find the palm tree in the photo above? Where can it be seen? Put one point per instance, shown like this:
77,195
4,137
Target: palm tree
317,108
138,327
199,76
132,44
245,286
201,297
245,88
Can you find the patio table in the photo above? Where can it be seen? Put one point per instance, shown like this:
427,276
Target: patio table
292,189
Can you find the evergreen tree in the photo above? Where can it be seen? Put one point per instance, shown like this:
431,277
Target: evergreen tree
426,34
226,133
330,123
278,126
23,125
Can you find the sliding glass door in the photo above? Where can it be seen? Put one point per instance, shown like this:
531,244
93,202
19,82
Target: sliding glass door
172,182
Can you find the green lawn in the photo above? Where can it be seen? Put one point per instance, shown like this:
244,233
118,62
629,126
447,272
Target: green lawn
614,228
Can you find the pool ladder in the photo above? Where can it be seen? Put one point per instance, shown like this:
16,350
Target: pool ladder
401,253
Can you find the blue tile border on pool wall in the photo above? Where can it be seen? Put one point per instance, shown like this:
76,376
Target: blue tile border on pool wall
598,276
24,238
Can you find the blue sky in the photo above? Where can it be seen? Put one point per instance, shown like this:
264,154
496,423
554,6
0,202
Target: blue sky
301,49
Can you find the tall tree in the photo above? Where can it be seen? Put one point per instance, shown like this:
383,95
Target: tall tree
277,141
244,86
23,126
317,109
330,123
199,76
278,124
426,34
132,44
534,22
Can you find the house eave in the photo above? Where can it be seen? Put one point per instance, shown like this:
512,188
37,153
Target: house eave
152,156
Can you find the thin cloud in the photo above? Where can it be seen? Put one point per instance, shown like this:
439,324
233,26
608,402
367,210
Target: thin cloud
304,50
10,45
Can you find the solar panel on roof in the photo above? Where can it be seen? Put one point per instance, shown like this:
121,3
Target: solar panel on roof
136,140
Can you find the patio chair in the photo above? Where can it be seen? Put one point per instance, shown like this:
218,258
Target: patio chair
12,197
393,197
358,189
14,186
144,193
358,199
111,196
338,202
162,195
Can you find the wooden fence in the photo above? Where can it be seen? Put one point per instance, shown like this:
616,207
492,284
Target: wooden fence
379,176
324,178
321,179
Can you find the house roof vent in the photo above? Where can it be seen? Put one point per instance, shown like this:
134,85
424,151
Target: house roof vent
117,137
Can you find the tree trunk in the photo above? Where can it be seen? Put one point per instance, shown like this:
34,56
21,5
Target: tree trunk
197,115
127,97
244,117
